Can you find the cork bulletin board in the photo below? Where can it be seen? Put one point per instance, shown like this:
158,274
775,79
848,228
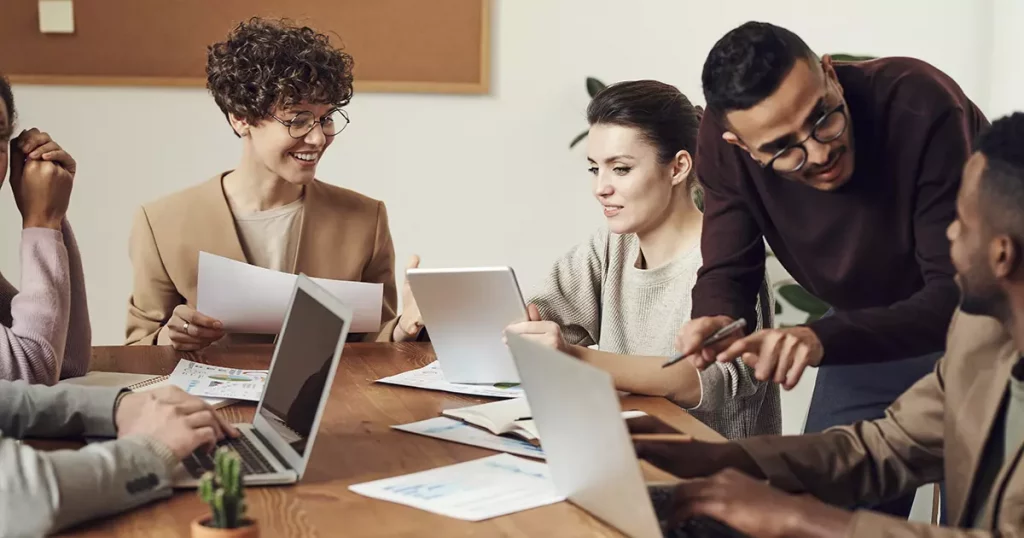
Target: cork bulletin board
434,46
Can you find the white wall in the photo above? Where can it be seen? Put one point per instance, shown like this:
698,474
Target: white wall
467,179
1006,93
474,180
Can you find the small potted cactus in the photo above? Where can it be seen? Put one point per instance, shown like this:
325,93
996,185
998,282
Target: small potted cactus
222,489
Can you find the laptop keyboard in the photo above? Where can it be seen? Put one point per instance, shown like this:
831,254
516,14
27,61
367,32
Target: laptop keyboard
698,527
253,461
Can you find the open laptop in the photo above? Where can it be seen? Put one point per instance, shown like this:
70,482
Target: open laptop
576,408
466,311
276,446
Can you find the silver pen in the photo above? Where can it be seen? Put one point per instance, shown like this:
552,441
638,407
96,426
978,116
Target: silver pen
720,334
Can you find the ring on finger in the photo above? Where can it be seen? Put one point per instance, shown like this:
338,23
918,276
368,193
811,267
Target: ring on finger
184,328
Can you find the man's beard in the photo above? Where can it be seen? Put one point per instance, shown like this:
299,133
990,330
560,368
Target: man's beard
982,300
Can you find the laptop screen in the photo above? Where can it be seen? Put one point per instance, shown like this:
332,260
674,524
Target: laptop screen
296,384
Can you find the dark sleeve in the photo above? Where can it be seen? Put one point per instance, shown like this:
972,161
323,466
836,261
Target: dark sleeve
732,243
918,324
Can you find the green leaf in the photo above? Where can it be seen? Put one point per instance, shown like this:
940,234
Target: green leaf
579,138
803,300
594,86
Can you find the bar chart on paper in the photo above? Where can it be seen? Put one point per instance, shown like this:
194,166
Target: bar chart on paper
473,491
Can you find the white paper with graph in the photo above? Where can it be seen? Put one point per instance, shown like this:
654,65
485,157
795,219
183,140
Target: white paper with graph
459,432
474,491
218,382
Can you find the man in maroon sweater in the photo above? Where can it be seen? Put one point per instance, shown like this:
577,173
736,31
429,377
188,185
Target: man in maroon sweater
850,172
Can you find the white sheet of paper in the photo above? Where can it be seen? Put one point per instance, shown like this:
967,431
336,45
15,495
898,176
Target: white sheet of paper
218,382
430,377
457,431
250,299
473,491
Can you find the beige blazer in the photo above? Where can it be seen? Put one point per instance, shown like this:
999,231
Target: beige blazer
344,236
938,428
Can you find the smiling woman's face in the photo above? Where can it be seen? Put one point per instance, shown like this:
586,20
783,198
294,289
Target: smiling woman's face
629,182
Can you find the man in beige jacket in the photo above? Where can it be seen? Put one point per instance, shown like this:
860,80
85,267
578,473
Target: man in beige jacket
963,423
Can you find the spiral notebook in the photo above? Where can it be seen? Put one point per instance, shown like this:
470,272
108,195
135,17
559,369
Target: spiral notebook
135,382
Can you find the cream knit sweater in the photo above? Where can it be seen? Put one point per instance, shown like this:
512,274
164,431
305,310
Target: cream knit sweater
598,296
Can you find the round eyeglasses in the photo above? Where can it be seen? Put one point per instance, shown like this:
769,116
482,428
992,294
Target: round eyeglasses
332,123
827,129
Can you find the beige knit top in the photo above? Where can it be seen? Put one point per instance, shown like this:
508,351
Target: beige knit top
598,296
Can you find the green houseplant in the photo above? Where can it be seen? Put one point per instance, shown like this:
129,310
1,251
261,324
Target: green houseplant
222,489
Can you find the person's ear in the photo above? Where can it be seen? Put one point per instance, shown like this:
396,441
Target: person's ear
731,138
1004,256
682,167
240,126
829,70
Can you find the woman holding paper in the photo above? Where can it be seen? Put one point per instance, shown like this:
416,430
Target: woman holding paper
44,327
282,89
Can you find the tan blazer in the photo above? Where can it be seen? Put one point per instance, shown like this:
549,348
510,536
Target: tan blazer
344,236
938,428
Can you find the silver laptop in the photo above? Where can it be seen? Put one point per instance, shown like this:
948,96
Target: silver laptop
576,408
466,311
275,448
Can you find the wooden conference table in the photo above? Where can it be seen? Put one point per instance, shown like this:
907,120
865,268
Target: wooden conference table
355,444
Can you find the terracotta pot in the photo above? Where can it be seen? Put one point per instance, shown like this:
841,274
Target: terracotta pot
199,530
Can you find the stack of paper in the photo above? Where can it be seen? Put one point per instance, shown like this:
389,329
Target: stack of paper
473,491
460,432
430,377
504,426
217,385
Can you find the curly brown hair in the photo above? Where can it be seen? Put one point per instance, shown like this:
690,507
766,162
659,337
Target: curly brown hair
265,63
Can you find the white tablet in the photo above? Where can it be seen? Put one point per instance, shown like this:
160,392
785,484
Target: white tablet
466,310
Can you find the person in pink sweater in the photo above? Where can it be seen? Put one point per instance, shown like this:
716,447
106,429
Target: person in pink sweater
44,327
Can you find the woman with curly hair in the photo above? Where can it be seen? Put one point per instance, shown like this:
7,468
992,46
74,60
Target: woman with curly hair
282,89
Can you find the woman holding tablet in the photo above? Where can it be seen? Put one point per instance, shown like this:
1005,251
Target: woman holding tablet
627,288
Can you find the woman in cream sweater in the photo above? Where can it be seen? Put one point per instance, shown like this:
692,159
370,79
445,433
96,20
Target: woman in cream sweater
626,289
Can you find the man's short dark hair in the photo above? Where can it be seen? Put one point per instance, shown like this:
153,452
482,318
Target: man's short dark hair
265,63
1001,191
748,64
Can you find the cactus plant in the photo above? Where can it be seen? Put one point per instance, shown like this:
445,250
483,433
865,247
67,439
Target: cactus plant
222,489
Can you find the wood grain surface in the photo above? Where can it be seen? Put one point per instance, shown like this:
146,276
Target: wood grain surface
355,444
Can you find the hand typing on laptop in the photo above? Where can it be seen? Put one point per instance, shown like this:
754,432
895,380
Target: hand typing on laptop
176,419
722,482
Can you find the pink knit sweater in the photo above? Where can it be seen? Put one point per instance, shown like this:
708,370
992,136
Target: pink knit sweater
44,328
